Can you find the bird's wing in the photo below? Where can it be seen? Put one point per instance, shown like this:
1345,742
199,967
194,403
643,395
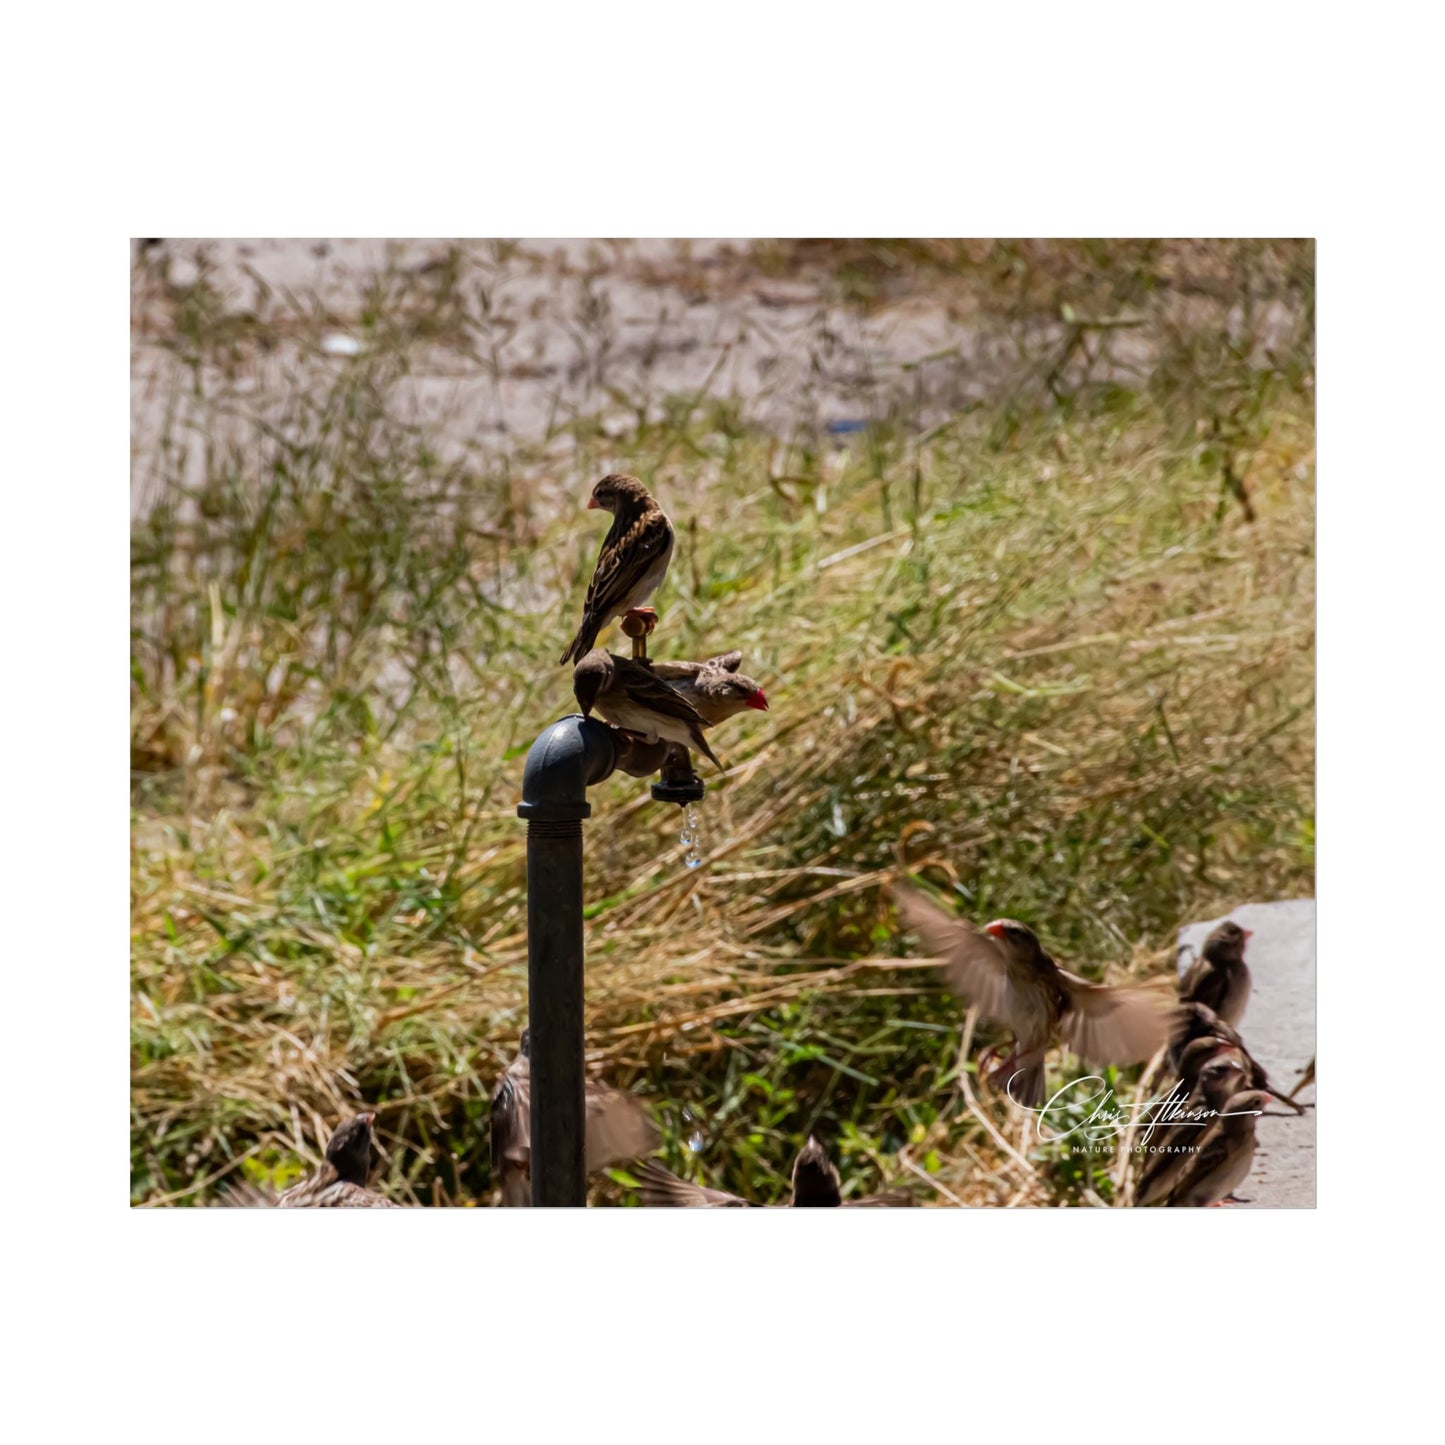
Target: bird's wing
1197,983
512,1118
617,1127
628,550
242,1194
887,1199
974,964
645,689
662,1189
1165,1168
1213,1154
326,1191
342,1195
305,1193
1114,1025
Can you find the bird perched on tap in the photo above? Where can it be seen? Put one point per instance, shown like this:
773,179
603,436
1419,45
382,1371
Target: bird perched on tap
633,561
631,696
715,688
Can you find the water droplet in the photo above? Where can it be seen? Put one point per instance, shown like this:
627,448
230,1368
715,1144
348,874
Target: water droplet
691,837
695,1142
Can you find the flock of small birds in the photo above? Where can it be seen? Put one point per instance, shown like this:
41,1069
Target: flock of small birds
1201,1152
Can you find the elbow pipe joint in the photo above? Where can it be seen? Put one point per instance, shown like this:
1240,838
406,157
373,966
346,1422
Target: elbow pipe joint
564,762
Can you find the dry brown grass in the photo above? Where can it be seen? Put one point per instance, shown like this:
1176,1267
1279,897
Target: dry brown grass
1052,665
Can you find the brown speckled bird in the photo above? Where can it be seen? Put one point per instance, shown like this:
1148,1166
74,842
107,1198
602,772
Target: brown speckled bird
1226,1156
632,563
1194,1022
630,696
1174,1145
1219,977
617,1128
1206,1051
1004,971
815,1185
715,688
340,1183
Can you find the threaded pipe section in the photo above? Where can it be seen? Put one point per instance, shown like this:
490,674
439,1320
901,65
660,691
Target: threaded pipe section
554,827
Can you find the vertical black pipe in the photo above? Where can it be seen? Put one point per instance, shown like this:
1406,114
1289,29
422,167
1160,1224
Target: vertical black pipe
555,994
569,756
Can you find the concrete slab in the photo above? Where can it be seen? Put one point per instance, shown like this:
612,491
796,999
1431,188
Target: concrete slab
1279,1028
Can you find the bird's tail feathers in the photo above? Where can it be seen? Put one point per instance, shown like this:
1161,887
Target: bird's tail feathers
1025,1085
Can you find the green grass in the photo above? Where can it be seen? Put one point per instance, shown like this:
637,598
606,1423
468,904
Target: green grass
1039,653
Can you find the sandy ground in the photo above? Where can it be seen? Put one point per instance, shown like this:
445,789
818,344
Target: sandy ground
532,334
553,330
1279,1027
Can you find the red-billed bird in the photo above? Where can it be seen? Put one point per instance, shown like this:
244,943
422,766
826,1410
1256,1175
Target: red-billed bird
715,688
1003,970
632,697
1219,977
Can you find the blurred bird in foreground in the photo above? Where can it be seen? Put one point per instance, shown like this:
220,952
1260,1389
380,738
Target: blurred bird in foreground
1004,971
815,1185
617,1128
632,563
715,688
1225,1157
632,697
1219,977
340,1183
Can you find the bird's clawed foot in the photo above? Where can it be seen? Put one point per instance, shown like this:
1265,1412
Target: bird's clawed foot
991,1068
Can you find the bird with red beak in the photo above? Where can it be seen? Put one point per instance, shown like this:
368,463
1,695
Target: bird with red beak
715,688
1219,978
1003,970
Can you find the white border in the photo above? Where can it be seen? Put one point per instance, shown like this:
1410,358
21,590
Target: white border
1231,119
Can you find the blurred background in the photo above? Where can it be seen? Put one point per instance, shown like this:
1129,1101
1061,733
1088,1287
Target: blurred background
1018,537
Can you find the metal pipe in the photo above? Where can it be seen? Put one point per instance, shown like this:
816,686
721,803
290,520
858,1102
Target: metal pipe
679,782
570,756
